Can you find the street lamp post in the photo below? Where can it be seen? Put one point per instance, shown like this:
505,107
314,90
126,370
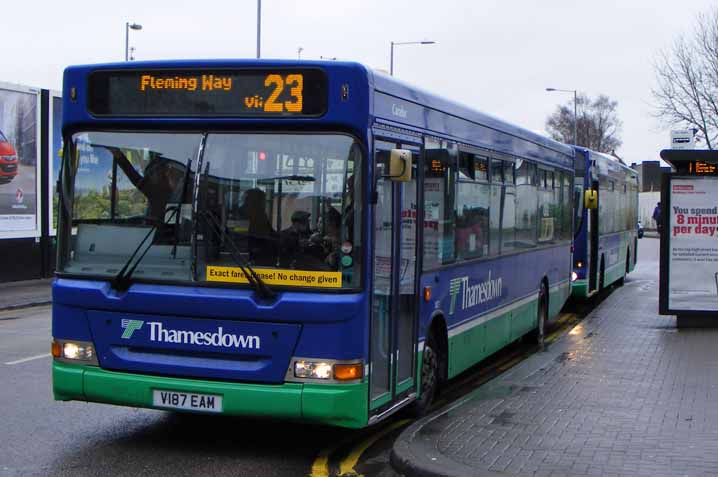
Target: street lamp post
391,55
259,26
575,112
129,26
299,53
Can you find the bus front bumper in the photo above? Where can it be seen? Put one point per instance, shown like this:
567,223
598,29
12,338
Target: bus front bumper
342,405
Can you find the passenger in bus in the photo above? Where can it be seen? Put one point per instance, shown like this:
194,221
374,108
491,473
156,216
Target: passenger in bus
262,238
327,237
294,240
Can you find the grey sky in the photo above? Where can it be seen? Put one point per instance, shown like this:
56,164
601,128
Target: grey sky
494,55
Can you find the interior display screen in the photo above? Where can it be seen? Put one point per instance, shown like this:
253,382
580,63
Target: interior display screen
280,92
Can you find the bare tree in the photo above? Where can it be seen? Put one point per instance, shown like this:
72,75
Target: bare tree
597,126
687,78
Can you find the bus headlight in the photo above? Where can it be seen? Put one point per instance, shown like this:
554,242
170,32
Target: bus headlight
574,276
327,370
81,352
313,369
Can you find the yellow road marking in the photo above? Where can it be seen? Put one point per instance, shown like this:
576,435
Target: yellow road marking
346,467
320,466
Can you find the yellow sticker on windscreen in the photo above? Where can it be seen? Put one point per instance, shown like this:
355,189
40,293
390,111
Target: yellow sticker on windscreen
273,276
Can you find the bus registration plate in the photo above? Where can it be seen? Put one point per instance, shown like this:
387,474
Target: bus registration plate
189,401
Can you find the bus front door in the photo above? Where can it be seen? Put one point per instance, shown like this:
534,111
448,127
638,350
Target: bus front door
394,296
593,242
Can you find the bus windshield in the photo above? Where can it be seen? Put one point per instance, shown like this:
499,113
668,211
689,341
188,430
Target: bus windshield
285,203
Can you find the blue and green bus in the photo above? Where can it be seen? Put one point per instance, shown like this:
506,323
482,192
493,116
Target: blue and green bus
302,240
606,240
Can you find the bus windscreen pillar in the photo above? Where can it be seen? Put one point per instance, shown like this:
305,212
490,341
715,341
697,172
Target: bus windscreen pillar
689,239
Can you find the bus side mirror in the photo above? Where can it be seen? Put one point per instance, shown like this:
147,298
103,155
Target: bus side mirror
590,199
400,165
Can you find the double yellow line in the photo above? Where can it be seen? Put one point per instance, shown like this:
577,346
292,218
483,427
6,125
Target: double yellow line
347,466
320,466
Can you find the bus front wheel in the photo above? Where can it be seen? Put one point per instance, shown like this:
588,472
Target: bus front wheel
429,377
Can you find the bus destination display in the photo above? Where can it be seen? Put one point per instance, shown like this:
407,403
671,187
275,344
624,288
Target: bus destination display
198,93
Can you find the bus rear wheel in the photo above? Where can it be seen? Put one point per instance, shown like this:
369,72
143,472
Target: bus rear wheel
539,334
429,383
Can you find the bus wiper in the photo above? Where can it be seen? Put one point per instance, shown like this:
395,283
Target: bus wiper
122,282
292,177
255,281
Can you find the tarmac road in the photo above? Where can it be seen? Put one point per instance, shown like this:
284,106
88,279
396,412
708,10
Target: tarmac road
39,436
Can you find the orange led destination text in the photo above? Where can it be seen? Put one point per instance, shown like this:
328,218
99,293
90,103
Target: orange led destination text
187,83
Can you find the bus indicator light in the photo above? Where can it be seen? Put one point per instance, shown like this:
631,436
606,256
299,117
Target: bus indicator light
56,350
348,372
427,293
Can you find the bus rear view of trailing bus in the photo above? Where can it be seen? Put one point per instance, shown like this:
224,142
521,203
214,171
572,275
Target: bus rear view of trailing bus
606,237
298,240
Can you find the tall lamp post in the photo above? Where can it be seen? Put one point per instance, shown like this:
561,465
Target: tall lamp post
129,26
393,43
259,27
575,111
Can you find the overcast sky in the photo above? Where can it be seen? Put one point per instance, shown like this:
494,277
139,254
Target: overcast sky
497,56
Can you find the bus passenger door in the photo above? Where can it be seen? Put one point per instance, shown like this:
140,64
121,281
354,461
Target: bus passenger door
592,231
394,296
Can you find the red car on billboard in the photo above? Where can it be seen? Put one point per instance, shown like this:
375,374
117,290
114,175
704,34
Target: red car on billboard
8,160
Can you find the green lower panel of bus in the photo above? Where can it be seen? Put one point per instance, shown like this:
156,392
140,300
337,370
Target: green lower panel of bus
475,343
342,405
478,342
579,289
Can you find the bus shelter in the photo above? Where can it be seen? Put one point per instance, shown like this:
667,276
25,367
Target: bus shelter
689,239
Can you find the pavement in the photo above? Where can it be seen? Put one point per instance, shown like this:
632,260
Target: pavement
27,293
623,393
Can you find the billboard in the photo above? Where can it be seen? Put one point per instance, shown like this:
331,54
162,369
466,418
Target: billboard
693,251
55,156
19,154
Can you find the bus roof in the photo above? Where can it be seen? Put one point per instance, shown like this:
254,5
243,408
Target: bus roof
608,159
495,133
399,89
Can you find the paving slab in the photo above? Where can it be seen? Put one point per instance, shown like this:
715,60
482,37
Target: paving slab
623,393
25,293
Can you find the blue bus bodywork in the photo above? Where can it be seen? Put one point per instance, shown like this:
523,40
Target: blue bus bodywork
227,341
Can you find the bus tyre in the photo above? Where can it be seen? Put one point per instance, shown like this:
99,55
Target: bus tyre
621,280
429,378
541,315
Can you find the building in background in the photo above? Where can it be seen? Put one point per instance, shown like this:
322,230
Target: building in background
649,175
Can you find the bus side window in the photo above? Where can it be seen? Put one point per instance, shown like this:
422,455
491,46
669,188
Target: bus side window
526,204
472,207
439,185
497,179
508,215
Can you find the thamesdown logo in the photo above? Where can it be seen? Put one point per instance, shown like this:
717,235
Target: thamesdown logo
472,295
219,338
454,290
130,326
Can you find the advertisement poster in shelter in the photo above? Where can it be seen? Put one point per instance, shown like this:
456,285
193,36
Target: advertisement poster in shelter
55,155
18,162
693,254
